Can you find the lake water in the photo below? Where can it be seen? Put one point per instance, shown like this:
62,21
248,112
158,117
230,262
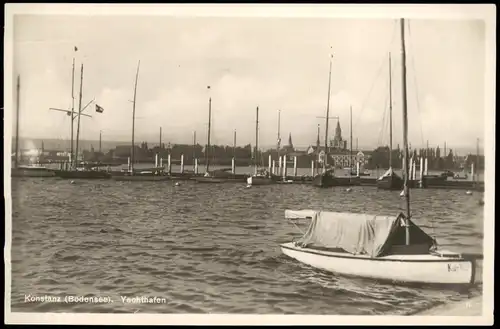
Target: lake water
207,248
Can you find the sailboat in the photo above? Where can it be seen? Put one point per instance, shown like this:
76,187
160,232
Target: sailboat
87,171
327,177
149,174
260,177
32,170
390,180
386,248
215,176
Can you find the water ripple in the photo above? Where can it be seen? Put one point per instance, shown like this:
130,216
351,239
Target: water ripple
208,248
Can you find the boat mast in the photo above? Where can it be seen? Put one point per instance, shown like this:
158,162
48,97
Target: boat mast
79,116
234,145
100,140
405,131
256,139
207,156
477,161
194,149
350,151
325,162
72,106
279,137
132,152
16,159
390,112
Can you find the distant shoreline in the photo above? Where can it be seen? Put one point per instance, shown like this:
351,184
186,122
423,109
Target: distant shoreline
109,144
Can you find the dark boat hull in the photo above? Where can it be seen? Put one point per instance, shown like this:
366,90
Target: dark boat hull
429,181
325,180
217,180
31,172
141,178
392,182
90,174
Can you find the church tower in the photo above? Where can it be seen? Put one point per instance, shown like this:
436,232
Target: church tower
337,139
317,140
290,144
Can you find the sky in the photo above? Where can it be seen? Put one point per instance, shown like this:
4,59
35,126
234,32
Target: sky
273,63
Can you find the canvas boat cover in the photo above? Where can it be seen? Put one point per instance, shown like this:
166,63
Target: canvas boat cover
363,234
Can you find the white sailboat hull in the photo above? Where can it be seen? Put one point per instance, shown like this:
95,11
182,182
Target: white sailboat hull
426,269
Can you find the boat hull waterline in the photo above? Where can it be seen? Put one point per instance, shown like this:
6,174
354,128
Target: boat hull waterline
142,178
424,269
217,180
76,174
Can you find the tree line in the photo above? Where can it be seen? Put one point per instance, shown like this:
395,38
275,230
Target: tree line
435,160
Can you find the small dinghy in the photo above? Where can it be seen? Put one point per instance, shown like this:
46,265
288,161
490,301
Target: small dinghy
376,247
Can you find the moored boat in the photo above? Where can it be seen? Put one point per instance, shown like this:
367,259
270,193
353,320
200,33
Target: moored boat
374,247
261,176
31,171
146,174
390,181
220,176
82,174
361,173
260,179
380,247
141,177
328,179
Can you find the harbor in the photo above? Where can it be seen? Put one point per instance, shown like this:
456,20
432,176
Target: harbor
329,176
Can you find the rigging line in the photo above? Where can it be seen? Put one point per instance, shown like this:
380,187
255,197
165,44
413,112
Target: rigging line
431,222
384,122
384,118
382,64
415,82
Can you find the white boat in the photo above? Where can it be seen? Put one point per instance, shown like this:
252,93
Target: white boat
374,247
379,247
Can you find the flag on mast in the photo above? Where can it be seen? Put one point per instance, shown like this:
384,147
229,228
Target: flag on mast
98,109
76,49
